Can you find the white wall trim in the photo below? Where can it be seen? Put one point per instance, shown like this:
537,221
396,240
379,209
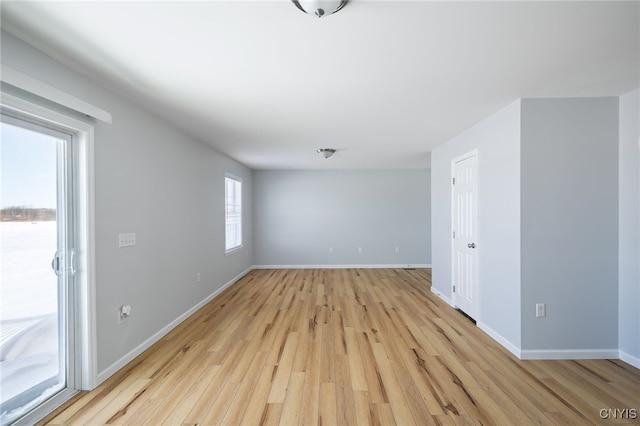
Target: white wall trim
500,339
127,358
385,266
629,359
442,296
31,85
570,354
84,211
552,354
521,354
87,249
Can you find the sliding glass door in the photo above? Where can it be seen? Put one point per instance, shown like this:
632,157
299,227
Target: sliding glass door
37,267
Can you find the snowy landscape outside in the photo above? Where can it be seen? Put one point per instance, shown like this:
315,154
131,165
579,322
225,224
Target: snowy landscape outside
29,362
30,366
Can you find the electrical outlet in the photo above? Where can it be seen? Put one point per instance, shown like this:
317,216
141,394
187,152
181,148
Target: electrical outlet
541,310
360,249
397,249
123,313
198,277
127,240
330,249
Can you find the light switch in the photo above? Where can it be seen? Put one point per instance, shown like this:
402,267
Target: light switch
127,240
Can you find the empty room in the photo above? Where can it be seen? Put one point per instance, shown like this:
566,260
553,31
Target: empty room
320,212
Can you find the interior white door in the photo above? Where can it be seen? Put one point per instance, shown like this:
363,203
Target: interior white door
465,234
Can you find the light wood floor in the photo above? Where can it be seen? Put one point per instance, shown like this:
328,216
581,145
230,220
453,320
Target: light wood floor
347,347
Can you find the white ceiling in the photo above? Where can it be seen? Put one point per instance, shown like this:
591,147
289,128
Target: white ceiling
383,82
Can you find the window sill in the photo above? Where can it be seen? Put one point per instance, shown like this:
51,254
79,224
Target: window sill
233,250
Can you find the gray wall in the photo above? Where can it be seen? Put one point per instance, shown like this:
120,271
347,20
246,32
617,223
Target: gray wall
497,140
629,296
569,199
153,180
548,217
300,214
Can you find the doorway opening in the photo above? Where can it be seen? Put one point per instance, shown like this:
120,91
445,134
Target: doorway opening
46,315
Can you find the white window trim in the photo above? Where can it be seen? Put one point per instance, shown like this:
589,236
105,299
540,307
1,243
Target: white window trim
31,85
241,245
86,332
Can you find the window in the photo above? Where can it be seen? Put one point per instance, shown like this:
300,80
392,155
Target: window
232,213
46,312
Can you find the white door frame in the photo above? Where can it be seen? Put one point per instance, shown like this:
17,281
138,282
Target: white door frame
471,310
83,210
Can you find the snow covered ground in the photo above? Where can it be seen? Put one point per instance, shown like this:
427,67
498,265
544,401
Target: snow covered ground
29,362
29,285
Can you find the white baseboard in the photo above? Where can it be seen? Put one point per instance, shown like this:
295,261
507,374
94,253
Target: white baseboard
570,354
551,354
113,368
377,266
629,359
442,296
522,354
505,343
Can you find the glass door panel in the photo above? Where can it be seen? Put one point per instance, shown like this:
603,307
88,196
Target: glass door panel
34,245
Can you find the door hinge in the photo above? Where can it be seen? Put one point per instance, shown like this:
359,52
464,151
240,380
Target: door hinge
454,288
454,181
454,234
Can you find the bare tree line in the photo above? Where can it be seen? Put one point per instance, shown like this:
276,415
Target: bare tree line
26,214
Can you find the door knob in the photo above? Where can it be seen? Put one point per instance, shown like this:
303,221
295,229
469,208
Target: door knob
471,245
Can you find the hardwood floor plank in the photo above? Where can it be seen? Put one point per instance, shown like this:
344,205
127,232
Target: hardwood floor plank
304,336
382,415
311,389
460,404
346,347
218,408
99,399
256,409
290,413
215,386
345,404
177,386
139,417
612,394
123,399
398,403
285,364
377,391
432,395
245,391
327,406
272,415
188,363
532,385
182,408
362,408
533,410
356,369
327,360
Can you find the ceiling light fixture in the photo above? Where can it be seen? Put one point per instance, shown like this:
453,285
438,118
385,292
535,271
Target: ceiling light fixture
319,8
326,152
